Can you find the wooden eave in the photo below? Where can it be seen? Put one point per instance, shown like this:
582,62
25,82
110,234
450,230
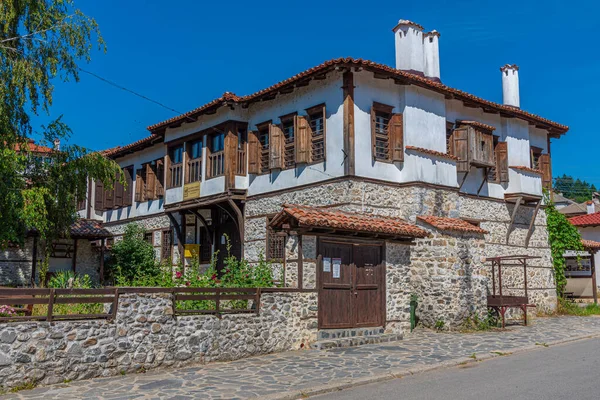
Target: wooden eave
234,194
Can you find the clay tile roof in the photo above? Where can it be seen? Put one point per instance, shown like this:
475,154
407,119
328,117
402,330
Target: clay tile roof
526,169
89,228
432,152
135,146
586,220
590,244
311,217
36,148
407,77
451,224
479,125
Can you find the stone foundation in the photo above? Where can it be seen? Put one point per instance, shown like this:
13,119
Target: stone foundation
146,336
446,271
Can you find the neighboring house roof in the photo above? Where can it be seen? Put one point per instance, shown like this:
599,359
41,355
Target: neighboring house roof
311,217
559,198
590,244
89,229
451,224
141,144
384,70
36,148
586,220
574,209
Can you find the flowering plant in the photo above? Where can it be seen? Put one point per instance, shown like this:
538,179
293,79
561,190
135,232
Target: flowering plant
7,311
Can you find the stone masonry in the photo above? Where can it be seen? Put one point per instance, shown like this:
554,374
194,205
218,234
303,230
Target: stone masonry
146,335
446,271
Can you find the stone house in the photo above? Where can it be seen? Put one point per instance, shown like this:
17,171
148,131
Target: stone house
365,182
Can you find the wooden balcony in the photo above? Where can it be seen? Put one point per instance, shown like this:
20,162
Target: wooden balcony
175,175
216,164
240,166
194,170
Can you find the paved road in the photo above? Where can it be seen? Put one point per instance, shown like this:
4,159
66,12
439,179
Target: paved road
568,371
299,373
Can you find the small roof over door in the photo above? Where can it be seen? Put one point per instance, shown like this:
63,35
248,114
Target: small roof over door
325,221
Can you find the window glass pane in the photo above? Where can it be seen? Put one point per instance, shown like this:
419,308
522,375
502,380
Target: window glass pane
177,155
218,142
196,149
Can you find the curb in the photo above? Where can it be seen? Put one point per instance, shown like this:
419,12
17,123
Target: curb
402,372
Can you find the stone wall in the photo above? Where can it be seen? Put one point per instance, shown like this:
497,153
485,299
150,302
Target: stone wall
446,271
146,335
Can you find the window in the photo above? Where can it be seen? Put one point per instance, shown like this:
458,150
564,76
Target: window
81,204
316,123
140,185
175,167
128,189
148,237
387,134
536,153
242,138
154,179
449,138
288,126
574,268
275,245
194,167
263,137
205,247
216,159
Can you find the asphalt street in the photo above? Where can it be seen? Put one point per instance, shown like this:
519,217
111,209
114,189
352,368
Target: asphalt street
569,371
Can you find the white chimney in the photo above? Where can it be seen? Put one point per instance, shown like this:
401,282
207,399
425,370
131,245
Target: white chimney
409,46
510,85
591,207
431,52
57,144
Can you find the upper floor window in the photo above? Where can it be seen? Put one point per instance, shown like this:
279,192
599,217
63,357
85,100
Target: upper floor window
536,153
387,133
242,138
449,139
288,126
194,164
316,123
175,173
216,159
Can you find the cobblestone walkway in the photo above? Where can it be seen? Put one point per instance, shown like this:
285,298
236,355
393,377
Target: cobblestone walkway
278,374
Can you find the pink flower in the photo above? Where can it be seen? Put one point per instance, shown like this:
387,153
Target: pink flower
178,274
187,284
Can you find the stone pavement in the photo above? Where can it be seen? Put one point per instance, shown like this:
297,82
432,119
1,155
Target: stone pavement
296,374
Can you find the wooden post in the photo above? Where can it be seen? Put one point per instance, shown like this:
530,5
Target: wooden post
34,261
102,241
500,277
348,123
183,217
50,305
74,264
257,301
240,223
300,263
115,305
525,281
494,278
594,284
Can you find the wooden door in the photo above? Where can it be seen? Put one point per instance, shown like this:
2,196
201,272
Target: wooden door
351,295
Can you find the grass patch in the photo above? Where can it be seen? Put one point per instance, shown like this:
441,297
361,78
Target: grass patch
544,344
23,386
500,353
473,356
566,307
473,323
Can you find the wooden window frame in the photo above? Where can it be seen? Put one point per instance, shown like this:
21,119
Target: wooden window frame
263,129
241,151
215,156
321,110
535,155
289,146
271,234
129,172
375,109
449,138
174,182
140,185
194,161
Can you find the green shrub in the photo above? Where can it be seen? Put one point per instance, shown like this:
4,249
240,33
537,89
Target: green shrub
132,258
69,280
566,307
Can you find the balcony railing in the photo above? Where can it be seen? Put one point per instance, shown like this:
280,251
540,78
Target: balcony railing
216,164
240,168
176,173
194,170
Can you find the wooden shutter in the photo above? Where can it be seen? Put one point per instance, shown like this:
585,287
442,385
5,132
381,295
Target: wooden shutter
396,133
99,196
373,138
461,149
253,153
276,146
546,168
303,139
119,192
140,190
502,162
109,197
150,182
127,190
160,177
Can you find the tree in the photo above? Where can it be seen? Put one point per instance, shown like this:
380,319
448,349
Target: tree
42,41
133,257
574,189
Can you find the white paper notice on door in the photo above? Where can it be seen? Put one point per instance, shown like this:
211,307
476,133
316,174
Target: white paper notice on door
326,264
337,265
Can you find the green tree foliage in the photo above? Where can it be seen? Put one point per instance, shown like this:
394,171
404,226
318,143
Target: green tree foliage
133,257
562,236
574,189
41,41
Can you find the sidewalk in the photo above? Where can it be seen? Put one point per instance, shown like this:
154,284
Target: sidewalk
297,374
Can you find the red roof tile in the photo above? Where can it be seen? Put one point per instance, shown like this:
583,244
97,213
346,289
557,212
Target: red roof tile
476,124
451,224
311,217
374,67
135,146
586,220
432,152
36,148
590,244
526,169
89,228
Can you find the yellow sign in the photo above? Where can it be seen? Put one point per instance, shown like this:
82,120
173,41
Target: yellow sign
191,250
191,190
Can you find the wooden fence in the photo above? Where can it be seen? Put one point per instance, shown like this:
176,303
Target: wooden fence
186,301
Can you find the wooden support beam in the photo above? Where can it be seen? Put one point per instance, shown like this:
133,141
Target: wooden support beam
348,123
512,218
532,223
240,223
485,179
74,260
464,179
177,227
300,263
102,242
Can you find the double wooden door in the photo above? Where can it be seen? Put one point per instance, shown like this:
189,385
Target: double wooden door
351,285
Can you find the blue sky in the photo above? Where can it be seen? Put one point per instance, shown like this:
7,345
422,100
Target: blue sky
185,53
